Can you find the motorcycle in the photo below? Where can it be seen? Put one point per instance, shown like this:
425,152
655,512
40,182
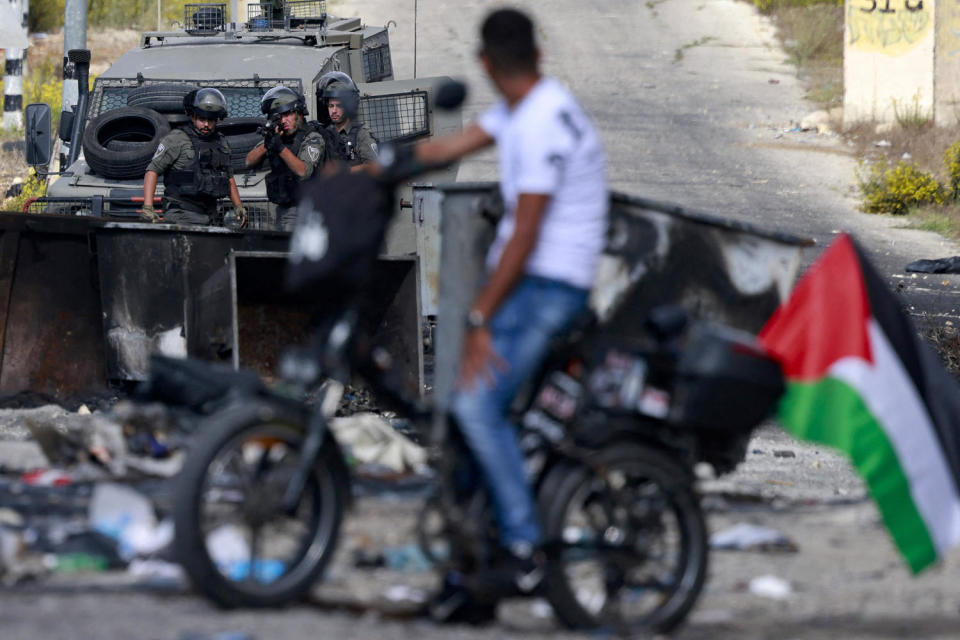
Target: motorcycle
611,432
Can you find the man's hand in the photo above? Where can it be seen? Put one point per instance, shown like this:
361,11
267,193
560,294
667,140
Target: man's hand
148,213
273,143
479,360
241,212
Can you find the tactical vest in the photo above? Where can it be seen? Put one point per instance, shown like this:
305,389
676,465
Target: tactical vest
347,144
199,185
283,185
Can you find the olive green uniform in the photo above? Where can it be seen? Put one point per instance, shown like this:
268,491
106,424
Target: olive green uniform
175,151
311,154
365,148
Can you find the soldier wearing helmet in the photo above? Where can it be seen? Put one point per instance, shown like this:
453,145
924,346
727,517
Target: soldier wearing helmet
293,151
195,164
341,102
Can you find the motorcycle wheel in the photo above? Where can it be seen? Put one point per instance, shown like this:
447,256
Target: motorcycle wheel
233,538
631,550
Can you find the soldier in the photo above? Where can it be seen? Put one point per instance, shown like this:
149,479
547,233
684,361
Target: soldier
341,99
195,164
293,150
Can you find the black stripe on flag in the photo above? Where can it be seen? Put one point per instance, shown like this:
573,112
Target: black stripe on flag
937,388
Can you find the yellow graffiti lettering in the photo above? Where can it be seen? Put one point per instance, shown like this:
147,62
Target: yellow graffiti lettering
893,33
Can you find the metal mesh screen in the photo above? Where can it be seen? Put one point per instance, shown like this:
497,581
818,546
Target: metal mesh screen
204,18
62,206
399,116
305,8
376,63
243,96
260,215
260,17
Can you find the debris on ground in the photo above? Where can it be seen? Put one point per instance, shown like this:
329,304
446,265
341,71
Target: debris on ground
370,439
750,537
770,587
939,265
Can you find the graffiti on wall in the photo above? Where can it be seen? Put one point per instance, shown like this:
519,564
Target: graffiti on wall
893,27
948,29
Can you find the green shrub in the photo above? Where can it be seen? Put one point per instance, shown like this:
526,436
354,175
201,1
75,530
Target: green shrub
897,190
45,15
951,158
33,187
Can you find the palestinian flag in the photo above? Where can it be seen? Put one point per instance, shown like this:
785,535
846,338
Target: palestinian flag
860,379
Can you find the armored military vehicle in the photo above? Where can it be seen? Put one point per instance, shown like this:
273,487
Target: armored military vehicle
200,291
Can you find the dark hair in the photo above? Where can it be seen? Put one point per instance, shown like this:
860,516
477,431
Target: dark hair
507,41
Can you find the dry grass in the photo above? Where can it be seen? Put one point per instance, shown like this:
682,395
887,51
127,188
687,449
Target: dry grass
946,342
812,37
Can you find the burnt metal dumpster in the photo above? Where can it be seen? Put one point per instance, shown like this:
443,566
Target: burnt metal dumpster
656,254
85,301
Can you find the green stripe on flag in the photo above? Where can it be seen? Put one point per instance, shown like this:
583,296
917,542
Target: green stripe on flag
831,412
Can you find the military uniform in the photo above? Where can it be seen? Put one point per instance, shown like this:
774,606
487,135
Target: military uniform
191,189
283,184
358,145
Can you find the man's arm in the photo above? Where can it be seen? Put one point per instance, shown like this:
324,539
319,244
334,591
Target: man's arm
478,352
452,147
149,186
235,193
255,156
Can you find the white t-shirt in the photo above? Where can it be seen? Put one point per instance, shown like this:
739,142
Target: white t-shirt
547,145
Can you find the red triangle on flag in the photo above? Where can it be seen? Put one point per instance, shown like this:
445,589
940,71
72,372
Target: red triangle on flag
825,318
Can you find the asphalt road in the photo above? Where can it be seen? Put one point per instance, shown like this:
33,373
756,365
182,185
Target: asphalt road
696,103
693,100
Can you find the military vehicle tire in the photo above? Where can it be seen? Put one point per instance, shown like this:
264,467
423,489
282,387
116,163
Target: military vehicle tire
165,97
120,143
242,134
177,120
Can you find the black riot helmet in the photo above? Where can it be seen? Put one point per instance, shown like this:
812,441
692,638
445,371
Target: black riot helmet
340,86
280,100
205,103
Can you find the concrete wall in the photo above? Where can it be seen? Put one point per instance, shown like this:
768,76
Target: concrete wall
947,63
888,61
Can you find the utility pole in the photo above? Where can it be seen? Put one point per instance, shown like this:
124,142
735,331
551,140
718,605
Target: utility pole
74,37
13,74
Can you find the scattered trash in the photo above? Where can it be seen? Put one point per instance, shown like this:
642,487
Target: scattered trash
75,562
404,593
158,573
127,516
750,537
770,587
940,265
47,478
540,608
773,81
882,143
906,156
231,552
370,439
219,635
408,557
784,453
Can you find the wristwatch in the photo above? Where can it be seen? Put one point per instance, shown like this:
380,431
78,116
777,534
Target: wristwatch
475,319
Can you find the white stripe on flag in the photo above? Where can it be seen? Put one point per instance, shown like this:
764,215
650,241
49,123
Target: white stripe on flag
889,394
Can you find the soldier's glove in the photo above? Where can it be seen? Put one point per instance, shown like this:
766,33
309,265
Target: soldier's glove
273,143
241,212
149,214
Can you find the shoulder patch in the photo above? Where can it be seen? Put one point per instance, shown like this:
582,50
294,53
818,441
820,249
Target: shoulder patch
159,151
313,152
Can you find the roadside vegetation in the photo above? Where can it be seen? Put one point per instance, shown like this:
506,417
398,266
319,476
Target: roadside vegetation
911,168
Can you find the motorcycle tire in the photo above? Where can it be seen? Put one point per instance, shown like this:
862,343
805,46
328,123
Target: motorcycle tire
163,97
214,470
649,501
121,142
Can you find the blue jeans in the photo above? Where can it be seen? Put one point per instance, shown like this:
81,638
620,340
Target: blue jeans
537,310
